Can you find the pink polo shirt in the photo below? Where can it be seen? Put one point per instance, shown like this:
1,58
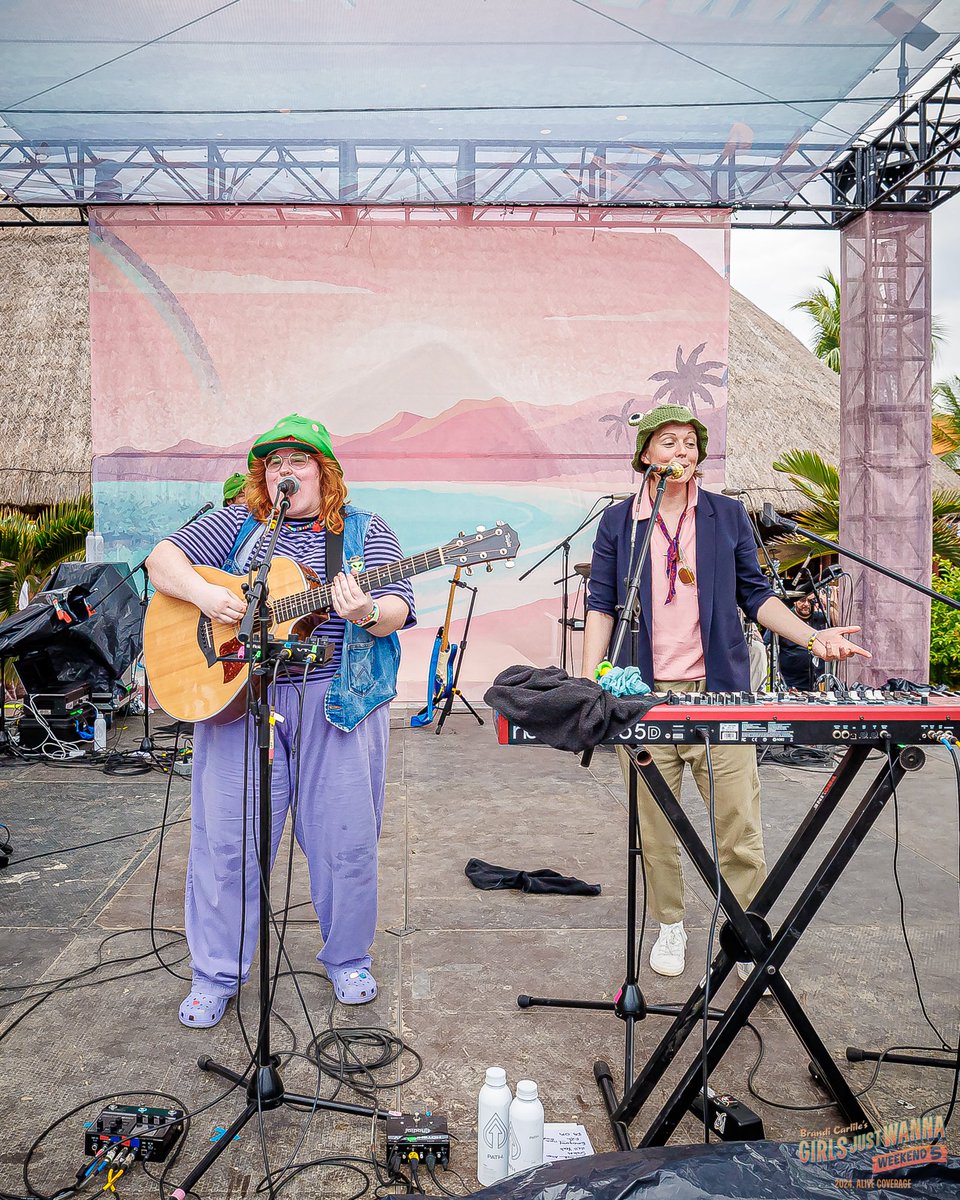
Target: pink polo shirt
677,646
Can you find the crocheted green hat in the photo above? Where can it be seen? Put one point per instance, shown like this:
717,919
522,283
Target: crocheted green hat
293,433
666,414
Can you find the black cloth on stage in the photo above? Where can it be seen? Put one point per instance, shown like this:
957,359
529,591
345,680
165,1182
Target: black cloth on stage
567,713
489,878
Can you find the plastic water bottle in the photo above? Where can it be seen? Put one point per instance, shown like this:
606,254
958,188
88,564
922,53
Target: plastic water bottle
94,547
100,733
493,1127
526,1128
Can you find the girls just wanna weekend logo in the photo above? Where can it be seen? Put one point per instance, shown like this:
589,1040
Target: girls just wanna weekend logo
899,1145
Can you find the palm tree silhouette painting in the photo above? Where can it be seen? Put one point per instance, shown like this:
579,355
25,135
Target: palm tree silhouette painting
690,380
620,422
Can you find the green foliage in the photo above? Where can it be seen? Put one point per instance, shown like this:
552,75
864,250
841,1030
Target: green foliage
822,305
945,626
946,421
30,549
819,481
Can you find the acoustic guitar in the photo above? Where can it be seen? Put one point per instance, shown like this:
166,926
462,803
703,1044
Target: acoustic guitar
198,669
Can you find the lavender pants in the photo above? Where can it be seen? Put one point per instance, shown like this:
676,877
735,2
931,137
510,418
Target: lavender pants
338,814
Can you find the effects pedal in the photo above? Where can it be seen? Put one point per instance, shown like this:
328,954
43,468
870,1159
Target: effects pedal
729,1118
150,1132
412,1136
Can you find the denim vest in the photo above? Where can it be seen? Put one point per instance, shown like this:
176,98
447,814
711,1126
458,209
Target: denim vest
367,675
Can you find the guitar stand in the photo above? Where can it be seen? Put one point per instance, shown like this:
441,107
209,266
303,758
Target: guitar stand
745,936
455,693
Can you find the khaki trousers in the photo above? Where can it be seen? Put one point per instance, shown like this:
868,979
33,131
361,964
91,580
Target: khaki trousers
736,806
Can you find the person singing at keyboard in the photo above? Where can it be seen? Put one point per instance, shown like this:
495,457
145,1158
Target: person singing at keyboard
702,566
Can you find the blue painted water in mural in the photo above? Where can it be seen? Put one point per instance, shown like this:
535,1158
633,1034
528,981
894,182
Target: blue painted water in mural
133,517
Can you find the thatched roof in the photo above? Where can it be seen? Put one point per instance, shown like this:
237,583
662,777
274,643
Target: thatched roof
45,366
780,395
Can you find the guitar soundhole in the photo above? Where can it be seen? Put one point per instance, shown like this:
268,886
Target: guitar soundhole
231,669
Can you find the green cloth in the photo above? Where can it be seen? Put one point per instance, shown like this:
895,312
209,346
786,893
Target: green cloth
233,486
667,414
293,433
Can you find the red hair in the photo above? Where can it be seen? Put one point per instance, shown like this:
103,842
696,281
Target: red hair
333,491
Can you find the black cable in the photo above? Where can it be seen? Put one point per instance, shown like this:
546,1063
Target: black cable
102,841
718,883
896,880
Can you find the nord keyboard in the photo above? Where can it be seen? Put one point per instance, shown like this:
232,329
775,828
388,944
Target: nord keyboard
767,719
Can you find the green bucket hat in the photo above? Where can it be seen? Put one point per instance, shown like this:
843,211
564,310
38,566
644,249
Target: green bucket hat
293,433
233,486
666,414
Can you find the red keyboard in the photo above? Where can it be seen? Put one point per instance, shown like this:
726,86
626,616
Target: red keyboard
753,720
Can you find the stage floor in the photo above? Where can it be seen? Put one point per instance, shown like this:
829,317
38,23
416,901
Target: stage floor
450,960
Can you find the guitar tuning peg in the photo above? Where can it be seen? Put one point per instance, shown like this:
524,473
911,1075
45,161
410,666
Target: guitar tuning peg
461,534
481,529
489,567
468,570
511,562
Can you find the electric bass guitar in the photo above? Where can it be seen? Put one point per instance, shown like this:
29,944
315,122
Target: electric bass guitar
440,671
198,669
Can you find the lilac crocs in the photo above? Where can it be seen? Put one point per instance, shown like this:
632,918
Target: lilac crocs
201,1011
353,985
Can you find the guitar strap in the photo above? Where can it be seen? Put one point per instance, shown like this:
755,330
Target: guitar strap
333,545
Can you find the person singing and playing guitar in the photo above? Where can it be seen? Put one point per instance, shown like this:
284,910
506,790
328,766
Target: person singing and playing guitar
340,730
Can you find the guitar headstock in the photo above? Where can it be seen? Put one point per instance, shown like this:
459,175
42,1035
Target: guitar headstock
486,546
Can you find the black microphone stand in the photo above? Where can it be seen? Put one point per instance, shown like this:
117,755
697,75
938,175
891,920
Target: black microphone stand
779,589
564,543
264,1088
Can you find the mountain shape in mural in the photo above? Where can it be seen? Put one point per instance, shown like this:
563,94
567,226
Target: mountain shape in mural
472,441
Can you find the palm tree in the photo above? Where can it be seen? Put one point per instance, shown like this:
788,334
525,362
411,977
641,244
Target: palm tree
822,305
946,421
819,481
620,422
30,549
690,379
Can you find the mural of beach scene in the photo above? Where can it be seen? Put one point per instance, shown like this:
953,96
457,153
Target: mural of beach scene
468,372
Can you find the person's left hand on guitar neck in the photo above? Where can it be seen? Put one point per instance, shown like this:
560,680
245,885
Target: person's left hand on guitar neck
350,601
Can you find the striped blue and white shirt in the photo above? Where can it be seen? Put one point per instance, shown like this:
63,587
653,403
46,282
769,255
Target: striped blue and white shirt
208,542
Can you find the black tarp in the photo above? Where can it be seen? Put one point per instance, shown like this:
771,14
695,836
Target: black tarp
83,627
724,1171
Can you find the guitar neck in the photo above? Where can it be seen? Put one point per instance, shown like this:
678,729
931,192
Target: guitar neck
318,599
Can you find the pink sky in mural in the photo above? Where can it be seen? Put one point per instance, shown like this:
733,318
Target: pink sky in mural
353,324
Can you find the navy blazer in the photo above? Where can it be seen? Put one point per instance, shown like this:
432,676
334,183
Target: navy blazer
728,577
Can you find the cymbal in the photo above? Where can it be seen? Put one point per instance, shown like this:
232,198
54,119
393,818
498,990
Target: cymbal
582,569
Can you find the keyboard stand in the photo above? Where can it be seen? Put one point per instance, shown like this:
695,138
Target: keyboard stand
747,936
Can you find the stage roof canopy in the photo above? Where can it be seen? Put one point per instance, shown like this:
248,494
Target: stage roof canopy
191,100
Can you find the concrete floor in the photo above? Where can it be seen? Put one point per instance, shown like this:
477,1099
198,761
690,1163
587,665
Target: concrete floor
450,960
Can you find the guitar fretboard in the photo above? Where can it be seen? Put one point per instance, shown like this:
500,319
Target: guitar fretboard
318,599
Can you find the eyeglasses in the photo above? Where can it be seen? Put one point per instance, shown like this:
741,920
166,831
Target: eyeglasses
277,462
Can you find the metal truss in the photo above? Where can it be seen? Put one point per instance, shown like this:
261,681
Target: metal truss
912,164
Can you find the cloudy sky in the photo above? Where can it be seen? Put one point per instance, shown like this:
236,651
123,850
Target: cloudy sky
775,268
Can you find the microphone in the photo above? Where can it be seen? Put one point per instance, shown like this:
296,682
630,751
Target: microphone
670,470
199,513
734,491
289,485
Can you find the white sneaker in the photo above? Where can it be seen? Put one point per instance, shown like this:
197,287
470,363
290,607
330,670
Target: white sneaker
667,955
744,970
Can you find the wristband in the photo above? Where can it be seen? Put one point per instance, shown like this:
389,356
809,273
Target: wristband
810,643
371,618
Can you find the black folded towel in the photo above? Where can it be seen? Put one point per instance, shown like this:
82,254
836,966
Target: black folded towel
489,878
565,712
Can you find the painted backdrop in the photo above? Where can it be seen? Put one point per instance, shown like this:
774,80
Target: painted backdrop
471,366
